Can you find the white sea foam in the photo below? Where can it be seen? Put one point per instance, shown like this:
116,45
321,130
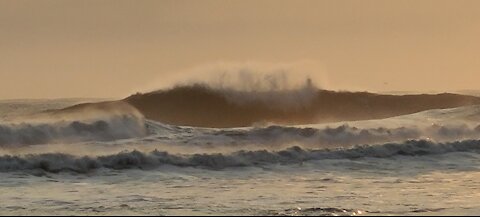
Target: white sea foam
125,140
137,160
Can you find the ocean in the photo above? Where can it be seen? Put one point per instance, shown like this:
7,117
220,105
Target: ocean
427,163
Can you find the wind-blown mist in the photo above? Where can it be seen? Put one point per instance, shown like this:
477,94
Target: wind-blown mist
246,95
245,77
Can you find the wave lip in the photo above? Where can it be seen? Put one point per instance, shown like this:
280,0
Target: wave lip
56,163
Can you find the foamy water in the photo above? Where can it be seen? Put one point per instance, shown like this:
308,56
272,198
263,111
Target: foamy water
420,164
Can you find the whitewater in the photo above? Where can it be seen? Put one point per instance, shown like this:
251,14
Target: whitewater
122,163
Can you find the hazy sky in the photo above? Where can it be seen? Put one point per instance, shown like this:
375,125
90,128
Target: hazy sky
82,48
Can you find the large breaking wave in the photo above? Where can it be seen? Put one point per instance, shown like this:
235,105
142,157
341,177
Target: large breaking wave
116,137
201,105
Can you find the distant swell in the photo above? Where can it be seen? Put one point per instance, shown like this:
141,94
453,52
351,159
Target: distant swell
56,163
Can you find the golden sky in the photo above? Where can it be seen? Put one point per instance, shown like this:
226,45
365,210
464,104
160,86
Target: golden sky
110,48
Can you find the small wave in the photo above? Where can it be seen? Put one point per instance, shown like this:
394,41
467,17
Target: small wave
105,121
350,135
107,129
58,162
317,211
341,136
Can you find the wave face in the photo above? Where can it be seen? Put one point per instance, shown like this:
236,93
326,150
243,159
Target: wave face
442,125
56,163
203,106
